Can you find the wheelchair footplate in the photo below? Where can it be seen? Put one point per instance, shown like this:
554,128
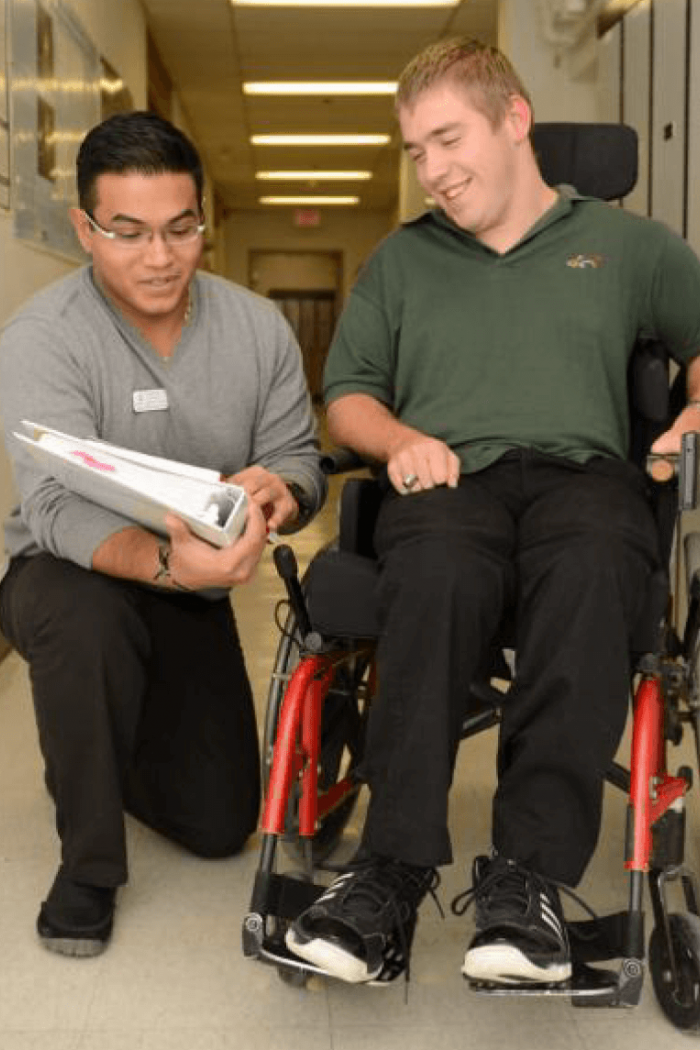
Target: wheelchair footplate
585,983
592,940
272,949
277,900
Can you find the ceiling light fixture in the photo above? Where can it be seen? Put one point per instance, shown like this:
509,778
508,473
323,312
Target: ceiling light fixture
314,176
319,87
319,140
345,3
303,201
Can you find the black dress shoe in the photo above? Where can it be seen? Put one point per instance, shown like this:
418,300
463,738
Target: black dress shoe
76,919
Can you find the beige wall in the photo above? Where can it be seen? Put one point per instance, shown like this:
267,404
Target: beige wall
562,85
272,270
354,234
412,196
118,31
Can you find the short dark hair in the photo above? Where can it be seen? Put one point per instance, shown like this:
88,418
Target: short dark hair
139,141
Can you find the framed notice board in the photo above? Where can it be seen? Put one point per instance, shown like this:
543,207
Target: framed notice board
55,98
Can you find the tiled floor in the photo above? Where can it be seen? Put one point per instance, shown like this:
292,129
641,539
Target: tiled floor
174,977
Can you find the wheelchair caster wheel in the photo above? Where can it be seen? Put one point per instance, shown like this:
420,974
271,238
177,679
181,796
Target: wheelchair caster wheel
292,976
678,998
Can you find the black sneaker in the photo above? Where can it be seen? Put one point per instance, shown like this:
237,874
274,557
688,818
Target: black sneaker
362,927
521,934
76,919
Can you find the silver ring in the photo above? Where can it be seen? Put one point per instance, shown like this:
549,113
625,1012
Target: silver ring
410,480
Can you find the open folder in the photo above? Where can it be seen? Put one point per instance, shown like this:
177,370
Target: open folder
141,487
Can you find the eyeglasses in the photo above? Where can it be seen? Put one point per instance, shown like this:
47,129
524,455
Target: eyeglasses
182,232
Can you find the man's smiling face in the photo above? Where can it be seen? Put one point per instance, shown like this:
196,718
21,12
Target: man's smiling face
468,166
148,281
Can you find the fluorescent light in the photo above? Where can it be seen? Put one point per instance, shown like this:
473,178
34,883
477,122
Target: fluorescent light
314,176
320,87
303,201
344,3
319,140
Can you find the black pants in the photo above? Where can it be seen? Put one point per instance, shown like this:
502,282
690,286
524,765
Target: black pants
569,550
142,703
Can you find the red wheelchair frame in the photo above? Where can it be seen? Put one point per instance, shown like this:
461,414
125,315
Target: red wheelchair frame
297,753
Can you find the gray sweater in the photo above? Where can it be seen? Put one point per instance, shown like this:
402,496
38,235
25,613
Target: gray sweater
236,396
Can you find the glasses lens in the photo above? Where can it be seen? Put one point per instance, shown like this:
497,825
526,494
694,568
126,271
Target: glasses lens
132,238
172,235
183,233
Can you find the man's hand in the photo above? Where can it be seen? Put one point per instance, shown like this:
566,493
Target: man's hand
414,460
269,492
195,564
418,462
669,443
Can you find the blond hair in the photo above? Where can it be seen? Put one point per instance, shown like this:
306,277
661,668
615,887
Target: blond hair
483,71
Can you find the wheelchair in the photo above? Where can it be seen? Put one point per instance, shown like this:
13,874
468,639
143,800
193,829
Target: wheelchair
324,681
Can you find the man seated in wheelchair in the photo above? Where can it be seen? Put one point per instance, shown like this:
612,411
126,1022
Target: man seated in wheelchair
482,357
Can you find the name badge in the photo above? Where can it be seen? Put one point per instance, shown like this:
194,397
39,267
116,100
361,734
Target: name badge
150,400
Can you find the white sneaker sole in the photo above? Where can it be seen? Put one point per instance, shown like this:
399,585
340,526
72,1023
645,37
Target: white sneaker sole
505,964
331,959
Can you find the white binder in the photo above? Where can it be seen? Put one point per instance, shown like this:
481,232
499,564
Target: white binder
141,487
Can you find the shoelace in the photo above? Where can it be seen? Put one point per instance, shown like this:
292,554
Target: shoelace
515,879
371,888
377,884
403,940
513,888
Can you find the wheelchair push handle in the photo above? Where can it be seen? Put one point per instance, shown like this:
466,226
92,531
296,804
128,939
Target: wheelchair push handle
288,570
684,467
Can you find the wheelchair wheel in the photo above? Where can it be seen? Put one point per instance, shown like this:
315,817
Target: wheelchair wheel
343,720
679,1000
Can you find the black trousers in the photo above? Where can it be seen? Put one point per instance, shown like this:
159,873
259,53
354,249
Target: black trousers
142,703
568,550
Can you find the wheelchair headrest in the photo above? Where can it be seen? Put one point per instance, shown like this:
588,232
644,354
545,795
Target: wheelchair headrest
599,160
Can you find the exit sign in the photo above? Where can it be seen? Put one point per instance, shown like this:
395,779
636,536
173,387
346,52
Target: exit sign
307,217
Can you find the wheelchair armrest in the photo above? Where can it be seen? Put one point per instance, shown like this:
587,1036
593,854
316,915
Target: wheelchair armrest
342,460
648,382
359,506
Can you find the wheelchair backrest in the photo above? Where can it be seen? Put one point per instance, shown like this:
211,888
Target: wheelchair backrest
599,160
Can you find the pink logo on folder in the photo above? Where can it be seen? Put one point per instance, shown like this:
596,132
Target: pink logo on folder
90,461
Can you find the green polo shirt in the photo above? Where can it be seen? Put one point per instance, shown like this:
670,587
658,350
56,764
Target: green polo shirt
530,348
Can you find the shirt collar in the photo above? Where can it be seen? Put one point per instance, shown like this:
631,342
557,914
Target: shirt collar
562,207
